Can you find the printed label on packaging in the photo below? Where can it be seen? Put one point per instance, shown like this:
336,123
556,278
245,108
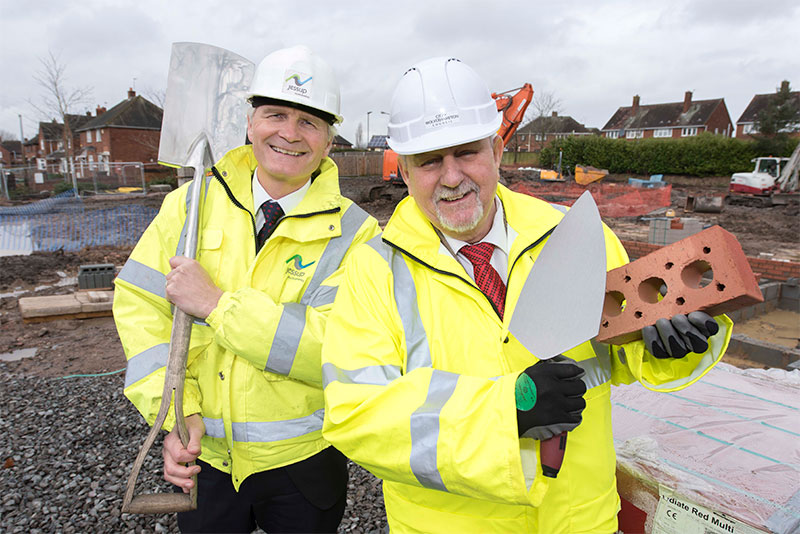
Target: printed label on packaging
675,515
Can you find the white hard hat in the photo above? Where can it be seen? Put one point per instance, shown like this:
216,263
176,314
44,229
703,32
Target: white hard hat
299,76
439,103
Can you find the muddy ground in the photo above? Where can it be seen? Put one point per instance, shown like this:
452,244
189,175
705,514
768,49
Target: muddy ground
91,345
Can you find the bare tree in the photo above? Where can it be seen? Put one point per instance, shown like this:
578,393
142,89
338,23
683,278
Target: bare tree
7,136
359,136
542,124
60,100
156,96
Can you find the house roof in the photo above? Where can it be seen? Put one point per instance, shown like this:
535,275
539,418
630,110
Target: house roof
135,112
555,124
759,103
669,115
13,146
378,141
52,130
341,141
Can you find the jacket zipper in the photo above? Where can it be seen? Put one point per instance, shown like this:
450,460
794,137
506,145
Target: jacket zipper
252,217
465,280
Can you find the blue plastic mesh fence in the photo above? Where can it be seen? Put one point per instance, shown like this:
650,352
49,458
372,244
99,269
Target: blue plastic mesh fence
62,223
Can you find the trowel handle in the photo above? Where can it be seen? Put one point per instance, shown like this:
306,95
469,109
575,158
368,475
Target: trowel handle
551,452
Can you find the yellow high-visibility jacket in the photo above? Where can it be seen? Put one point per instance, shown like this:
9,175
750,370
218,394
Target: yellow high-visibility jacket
419,375
253,368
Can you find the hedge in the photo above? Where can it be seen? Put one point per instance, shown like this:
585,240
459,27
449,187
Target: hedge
703,155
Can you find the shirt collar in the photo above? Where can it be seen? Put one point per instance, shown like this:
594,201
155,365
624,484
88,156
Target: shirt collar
287,203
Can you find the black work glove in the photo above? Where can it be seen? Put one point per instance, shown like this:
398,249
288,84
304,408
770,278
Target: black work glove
677,337
549,398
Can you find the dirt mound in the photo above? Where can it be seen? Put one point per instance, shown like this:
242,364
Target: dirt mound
42,267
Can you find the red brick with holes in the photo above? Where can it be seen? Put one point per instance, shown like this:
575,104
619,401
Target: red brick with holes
681,267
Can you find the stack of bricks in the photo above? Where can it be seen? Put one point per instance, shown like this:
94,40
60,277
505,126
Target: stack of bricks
635,295
769,269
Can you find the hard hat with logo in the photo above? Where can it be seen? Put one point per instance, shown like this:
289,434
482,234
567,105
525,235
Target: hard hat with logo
296,75
439,103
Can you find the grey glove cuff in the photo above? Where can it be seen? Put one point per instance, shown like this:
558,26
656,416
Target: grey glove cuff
546,432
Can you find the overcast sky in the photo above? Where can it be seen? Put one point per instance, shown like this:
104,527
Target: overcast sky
592,56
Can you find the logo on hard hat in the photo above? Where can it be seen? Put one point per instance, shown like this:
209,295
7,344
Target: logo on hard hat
298,83
442,119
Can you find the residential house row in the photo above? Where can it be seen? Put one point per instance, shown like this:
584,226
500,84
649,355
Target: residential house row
671,120
128,132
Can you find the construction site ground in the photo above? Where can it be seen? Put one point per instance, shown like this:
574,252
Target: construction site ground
91,345
71,442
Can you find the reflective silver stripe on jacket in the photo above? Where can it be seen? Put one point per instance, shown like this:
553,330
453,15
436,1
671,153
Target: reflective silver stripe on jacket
405,296
146,362
215,428
425,419
425,430
598,369
293,319
267,431
144,277
373,375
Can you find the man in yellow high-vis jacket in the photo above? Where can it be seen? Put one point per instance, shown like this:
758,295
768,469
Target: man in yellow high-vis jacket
424,384
274,230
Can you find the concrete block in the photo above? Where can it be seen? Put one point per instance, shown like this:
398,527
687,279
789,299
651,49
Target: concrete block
771,291
632,291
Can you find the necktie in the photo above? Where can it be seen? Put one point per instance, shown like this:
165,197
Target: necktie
485,276
272,212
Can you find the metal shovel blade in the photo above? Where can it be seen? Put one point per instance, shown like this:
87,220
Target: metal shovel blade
205,98
561,303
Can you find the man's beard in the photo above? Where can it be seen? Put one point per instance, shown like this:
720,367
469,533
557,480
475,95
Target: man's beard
463,188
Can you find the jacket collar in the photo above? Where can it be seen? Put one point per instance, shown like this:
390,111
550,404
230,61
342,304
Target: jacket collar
410,230
237,166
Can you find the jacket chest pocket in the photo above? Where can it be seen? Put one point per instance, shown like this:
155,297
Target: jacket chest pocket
209,252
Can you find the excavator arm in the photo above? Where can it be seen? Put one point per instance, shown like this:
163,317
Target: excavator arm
512,104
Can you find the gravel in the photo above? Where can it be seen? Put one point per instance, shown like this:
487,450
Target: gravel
67,449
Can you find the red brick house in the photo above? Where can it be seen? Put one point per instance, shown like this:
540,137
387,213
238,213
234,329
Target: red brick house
51,142
541,132
746,125
10,153
670,121
129,131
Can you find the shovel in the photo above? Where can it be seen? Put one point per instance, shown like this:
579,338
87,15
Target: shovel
204,114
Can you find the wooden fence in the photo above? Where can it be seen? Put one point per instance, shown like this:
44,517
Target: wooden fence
359,163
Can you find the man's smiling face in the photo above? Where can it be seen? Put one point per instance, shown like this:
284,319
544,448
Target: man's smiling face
455,187
289,145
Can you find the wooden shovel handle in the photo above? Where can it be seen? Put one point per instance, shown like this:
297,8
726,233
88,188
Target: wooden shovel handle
161,503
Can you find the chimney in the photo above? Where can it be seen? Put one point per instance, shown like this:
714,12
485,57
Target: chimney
687,101
635,107
555,114
785,86
131,93
100,110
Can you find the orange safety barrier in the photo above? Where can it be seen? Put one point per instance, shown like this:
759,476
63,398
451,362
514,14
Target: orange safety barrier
613,200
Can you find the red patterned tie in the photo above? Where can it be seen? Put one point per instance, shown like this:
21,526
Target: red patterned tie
272,212
485,276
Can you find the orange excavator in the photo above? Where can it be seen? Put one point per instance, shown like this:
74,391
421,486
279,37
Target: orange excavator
512,104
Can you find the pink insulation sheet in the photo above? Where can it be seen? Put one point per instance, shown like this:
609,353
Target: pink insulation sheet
730,442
